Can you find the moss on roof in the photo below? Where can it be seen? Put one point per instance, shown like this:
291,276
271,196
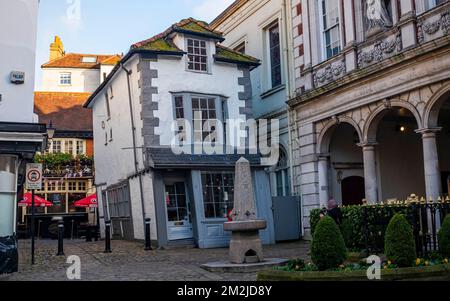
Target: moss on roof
160,45
224,53
196,27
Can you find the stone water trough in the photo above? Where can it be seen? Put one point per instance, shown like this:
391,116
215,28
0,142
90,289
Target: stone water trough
246,250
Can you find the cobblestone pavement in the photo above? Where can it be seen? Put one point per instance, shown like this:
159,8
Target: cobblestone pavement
129,262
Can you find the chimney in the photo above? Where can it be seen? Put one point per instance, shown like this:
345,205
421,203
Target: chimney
56,49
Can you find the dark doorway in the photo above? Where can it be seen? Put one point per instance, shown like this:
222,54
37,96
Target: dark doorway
353,191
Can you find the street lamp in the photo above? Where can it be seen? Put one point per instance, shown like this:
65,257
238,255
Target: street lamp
50,133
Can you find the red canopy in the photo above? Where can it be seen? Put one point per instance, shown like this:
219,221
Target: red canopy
38,201
89,202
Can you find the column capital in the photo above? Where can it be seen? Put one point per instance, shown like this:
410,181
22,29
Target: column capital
429,132
367,145
323,157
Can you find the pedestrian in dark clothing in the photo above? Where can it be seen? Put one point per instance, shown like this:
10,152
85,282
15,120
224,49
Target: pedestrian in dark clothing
334,211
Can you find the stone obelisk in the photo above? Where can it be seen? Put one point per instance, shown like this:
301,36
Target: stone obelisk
245,245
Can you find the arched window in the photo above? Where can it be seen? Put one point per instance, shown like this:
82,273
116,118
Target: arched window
282,175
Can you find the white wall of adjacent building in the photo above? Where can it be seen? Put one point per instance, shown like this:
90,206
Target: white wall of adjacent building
82,80
18,23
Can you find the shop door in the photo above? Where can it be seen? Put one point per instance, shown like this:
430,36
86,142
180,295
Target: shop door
179,224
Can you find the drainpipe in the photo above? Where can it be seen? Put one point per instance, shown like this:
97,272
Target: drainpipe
289,84
133,128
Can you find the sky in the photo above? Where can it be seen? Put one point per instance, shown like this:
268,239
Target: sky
111,26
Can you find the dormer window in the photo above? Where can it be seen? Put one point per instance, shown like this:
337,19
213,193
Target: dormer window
197,55
89,60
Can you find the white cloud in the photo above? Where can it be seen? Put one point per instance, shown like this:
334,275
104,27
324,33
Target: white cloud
210,9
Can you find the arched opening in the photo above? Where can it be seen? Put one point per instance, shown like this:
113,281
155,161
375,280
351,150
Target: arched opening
282,177
399,154
443,143
344,160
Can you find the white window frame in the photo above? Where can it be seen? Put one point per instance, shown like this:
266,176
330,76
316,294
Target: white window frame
64,150
274,23
266,78
188,113
208,52
67,81
89,59
322,30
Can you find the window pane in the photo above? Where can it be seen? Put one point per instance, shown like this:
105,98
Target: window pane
197,55
217,194
275,55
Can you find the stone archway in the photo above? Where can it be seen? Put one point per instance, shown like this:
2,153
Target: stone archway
393,152
437,133
339,157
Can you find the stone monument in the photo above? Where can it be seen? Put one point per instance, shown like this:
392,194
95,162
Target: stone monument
245,245
246,252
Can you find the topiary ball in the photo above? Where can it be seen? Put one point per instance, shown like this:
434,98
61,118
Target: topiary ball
399,244
444,238
328,249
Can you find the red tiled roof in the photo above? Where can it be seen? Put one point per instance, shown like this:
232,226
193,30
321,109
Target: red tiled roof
75,60
64,110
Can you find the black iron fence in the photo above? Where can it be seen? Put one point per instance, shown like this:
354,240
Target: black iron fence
425,218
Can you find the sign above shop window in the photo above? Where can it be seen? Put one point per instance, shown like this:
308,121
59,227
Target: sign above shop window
17,77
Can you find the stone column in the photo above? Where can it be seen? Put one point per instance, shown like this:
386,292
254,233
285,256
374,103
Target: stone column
323,181
431,163
370,173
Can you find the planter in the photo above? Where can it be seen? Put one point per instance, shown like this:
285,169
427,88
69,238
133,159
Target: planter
386,275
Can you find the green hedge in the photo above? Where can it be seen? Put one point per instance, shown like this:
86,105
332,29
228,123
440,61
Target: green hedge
328,247
352,227
444,238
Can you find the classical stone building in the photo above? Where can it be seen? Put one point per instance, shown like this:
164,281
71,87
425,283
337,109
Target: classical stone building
372,109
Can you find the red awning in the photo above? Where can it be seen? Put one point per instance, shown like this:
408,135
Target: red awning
89,202
38,201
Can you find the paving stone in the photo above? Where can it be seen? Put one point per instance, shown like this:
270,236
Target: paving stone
129,262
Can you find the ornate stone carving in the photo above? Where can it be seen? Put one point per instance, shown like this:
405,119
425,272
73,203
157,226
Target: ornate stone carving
431,28
381,50
329,73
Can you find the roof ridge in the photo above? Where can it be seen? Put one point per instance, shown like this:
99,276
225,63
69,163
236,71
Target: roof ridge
169,30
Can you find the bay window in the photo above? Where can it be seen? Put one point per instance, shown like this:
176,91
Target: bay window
203,112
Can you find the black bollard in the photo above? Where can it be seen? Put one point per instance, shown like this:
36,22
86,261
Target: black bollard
148,241
108,237
89,233
60,238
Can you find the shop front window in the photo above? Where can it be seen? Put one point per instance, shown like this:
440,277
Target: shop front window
218,194
8,189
